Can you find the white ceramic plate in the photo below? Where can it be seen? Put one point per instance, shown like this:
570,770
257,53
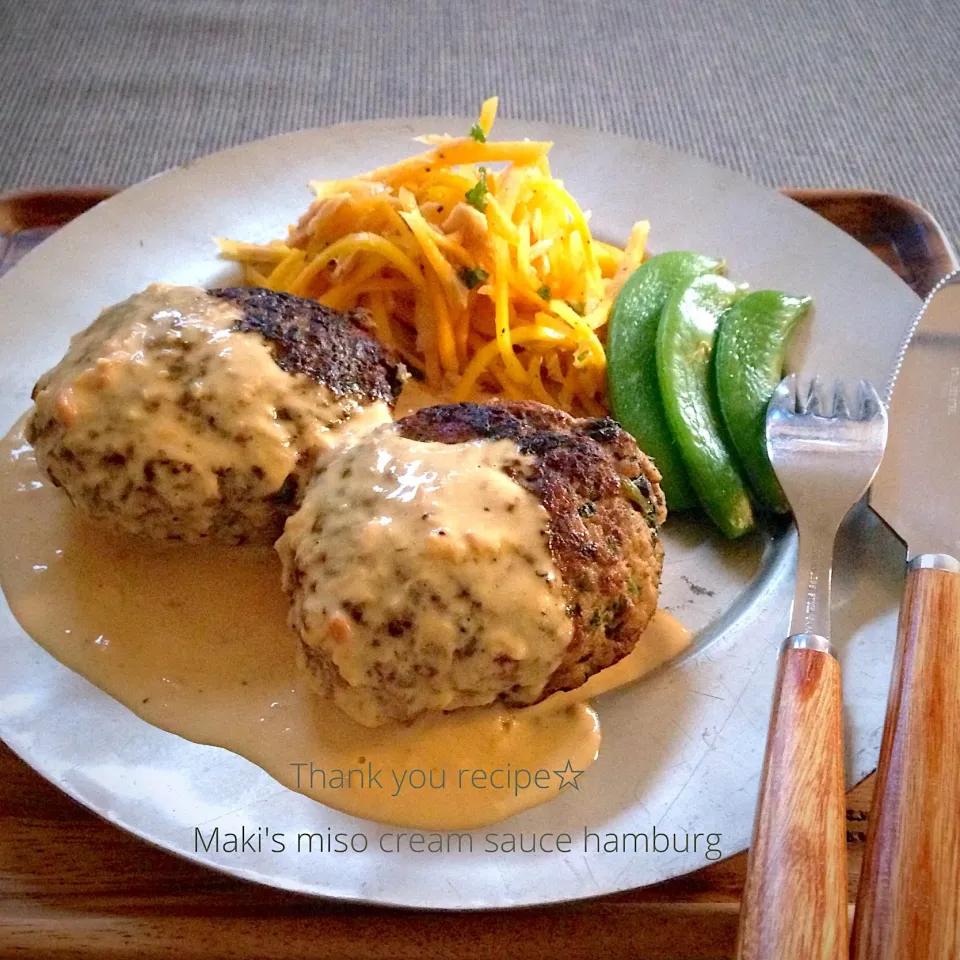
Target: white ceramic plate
682,750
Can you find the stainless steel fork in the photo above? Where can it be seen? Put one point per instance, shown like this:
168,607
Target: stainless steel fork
795,899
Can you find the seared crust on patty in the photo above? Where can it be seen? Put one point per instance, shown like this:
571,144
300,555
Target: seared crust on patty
603,497
331,347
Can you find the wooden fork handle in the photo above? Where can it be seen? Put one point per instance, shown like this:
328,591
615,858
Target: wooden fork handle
908,905
795,899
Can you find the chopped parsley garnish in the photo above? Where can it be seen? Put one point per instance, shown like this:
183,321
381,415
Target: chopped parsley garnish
473,276
476,132
544,292
476,196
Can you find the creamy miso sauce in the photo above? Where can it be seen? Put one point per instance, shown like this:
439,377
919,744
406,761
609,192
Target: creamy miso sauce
421,579
194,640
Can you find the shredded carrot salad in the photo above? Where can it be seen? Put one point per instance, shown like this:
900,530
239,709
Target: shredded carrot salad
486,281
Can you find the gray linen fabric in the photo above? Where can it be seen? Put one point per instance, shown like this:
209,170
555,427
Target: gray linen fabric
858,93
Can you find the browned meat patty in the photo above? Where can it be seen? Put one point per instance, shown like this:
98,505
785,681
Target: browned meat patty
605,505
467,554
188,414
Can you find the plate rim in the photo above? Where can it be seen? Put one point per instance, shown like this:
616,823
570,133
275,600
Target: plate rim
367,126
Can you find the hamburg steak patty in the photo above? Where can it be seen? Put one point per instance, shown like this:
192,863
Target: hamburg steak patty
472,553
602,495
187,414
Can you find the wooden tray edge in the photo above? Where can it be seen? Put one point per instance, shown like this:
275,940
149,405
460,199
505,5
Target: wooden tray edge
41,211
903,234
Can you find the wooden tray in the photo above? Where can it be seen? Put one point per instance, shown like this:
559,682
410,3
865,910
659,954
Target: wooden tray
74,886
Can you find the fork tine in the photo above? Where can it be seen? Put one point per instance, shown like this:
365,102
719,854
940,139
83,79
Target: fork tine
840,408
814,404
869,403
784,399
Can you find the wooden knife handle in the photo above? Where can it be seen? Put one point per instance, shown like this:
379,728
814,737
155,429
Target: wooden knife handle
908,905
795,899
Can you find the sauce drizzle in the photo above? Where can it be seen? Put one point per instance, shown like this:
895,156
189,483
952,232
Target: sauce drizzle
193,639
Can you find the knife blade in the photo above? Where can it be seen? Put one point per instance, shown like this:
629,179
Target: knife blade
908,903
916,487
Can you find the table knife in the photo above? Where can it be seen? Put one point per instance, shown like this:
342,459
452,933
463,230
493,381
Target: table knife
908,905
